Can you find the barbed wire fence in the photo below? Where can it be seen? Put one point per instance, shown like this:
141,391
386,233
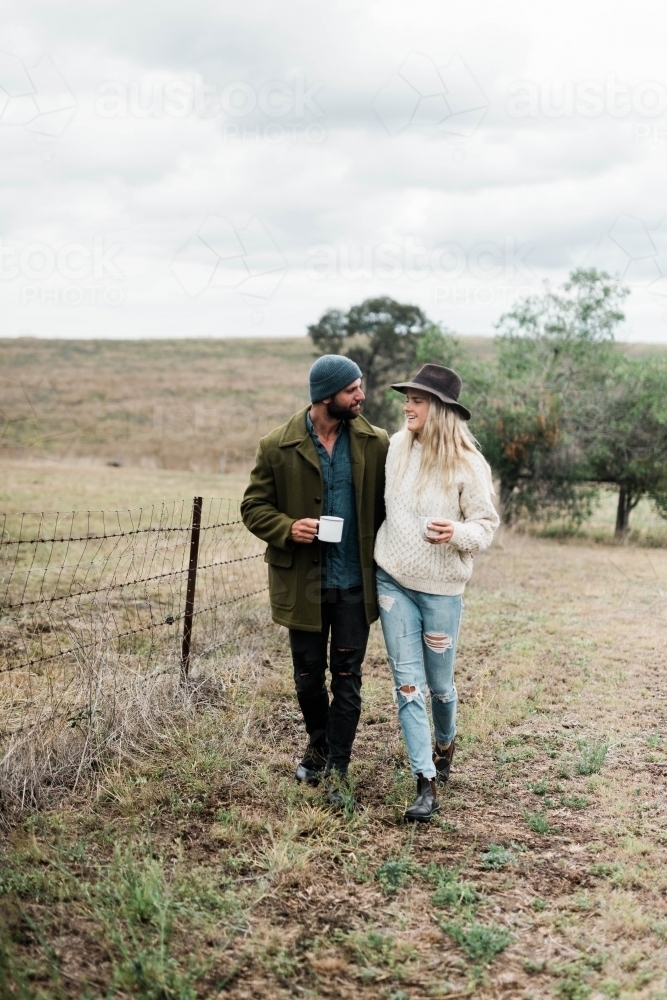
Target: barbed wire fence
96,602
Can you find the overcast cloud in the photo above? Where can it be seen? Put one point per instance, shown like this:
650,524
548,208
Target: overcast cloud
207,169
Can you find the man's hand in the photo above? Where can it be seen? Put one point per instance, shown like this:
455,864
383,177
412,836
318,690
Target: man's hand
441,531
304,531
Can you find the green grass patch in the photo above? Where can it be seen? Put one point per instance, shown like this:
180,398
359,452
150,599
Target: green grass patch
592,756
35,882
375,954
572,975
138,910
449,890
538,787
607,869
515,756
496,856
455,894
394,874
575,801
538,823
480,942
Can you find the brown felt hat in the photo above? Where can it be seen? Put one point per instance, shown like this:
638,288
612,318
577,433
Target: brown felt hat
441,382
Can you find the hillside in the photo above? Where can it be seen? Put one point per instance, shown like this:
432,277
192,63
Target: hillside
195,405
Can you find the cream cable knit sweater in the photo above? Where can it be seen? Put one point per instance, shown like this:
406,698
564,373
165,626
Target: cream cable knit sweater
400,549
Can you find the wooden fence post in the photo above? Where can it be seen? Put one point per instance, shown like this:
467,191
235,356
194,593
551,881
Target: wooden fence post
190,592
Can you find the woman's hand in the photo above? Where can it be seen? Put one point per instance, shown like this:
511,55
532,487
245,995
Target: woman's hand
439,532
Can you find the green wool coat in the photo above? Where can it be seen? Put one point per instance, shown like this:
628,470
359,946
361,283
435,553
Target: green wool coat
286,485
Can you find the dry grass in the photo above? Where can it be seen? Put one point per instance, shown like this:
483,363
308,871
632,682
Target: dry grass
31,485
90,636
197,405
197,867
62,727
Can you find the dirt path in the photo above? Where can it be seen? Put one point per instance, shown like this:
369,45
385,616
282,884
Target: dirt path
203,870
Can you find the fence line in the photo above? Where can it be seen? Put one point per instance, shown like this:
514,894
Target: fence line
123,581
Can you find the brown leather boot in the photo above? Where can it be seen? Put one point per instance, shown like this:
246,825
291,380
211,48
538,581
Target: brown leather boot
426,804
443,761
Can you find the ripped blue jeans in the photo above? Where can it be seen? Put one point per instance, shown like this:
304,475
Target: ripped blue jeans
421,632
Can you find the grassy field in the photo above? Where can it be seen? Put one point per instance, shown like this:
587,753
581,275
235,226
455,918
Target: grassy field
194,405
188,863
34,486
43,485
73,412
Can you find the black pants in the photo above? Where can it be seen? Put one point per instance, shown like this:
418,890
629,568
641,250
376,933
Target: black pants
333,725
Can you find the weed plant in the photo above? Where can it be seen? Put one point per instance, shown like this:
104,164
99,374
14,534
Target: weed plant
592,756
496,856
394,874
480,943
538,823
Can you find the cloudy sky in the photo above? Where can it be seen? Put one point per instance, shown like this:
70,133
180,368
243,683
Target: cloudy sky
216,169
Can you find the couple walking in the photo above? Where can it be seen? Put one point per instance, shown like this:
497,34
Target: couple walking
413,512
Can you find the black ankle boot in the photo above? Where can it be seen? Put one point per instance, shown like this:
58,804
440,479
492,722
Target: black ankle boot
337,791
425,805
443,762
312,765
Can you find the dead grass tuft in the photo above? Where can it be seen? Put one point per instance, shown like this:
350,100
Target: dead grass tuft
108,717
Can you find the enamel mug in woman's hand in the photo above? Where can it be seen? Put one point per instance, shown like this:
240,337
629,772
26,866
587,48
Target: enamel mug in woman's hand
330,529
424,525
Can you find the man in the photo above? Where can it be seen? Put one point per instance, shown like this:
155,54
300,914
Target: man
326,460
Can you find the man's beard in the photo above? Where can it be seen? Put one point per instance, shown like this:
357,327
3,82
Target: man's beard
338,412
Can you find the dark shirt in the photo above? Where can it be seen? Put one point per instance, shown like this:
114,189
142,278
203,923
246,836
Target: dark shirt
341,565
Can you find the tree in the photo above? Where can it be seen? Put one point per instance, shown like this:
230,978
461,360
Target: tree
626,434
329,333
523,434
552,349
382,336
438,346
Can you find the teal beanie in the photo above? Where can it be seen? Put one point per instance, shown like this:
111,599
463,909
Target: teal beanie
330,374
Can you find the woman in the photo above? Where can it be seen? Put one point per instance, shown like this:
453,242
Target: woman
434,473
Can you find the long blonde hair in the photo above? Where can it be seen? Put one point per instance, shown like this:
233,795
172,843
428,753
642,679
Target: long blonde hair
447,446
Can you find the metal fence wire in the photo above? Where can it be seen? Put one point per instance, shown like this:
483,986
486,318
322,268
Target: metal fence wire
154,583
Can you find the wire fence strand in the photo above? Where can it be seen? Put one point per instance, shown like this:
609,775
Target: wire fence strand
75,581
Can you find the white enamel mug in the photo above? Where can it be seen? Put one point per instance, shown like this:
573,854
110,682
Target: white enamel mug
330,529
424,524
